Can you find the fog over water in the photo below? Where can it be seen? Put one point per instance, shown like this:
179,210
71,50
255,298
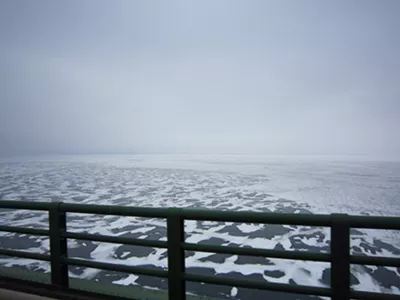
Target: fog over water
226,77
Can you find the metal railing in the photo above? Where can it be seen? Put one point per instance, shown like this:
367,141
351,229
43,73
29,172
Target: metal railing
339,256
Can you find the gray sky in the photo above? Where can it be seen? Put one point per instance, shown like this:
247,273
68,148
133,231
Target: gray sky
265,77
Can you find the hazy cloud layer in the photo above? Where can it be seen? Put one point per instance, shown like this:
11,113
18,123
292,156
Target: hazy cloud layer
271,77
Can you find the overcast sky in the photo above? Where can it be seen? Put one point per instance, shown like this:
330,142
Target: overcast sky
265,77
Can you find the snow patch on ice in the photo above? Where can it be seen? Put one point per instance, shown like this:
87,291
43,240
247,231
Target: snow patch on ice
130,280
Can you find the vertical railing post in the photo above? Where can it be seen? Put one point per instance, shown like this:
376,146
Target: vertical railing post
176,255
58,245
340,250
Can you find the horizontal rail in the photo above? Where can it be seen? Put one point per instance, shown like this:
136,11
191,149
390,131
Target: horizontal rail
115,239
147,212
297,255
116,267
370,222
32,231
372,296
375,261
28,205
258,284
24,254
256,217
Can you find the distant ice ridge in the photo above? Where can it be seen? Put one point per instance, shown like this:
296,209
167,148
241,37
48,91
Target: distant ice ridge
227,183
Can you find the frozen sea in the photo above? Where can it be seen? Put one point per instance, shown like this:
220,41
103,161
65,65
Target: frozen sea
357,186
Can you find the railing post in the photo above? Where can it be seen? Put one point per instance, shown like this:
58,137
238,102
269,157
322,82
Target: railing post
176,255
58,245
340,250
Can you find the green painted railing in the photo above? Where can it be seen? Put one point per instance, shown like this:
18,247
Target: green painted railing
339,256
